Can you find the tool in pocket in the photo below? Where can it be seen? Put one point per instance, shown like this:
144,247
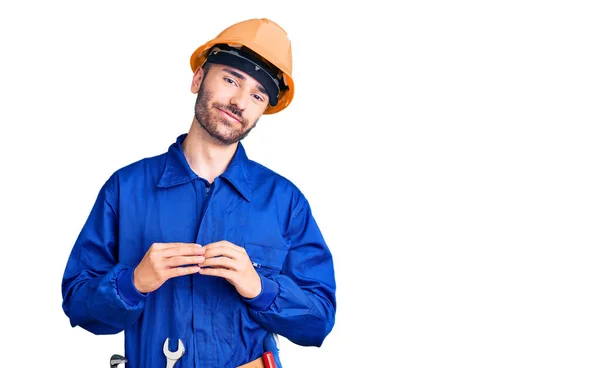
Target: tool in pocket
173,356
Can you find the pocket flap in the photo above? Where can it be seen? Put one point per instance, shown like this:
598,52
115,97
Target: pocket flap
265,256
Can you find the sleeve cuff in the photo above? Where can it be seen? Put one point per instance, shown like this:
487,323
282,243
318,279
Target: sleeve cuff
269,290
126,289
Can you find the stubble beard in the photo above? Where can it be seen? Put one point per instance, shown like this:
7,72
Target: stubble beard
221,130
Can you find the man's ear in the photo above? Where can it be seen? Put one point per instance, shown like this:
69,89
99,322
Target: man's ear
197,80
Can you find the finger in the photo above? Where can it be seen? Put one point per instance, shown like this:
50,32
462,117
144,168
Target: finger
225,244
163,246
221,252
183,249
221,262
218,272
182,271
183,260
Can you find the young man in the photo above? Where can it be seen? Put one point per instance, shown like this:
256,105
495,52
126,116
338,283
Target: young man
200,244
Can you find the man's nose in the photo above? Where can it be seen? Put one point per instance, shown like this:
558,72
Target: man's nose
240,99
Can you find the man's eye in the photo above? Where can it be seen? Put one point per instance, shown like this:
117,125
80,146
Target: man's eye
229,80
259,98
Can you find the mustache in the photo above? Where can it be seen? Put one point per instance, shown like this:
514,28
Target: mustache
232,109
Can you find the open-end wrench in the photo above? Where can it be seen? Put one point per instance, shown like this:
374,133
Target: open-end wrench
117,359
173,356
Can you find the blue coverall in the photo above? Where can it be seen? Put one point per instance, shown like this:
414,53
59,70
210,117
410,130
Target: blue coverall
160,199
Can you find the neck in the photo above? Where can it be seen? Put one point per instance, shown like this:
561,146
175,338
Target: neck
205,157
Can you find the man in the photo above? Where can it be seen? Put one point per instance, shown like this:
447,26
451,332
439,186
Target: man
201,244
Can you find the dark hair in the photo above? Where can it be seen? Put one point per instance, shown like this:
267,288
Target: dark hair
206,67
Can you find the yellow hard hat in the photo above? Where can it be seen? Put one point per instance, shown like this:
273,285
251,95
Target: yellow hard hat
266,39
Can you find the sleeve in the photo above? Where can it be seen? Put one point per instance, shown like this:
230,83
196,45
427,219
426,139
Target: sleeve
299,304
98,292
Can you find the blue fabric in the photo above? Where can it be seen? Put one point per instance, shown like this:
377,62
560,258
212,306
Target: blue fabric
160,199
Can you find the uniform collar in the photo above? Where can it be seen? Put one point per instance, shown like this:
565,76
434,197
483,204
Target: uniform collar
177,170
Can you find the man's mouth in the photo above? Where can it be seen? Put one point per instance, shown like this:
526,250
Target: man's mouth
230,115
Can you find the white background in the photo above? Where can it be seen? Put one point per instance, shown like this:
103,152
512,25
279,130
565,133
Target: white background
450,151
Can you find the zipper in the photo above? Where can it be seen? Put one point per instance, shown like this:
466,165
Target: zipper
266,267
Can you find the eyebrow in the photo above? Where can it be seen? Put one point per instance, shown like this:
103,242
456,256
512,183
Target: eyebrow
239,76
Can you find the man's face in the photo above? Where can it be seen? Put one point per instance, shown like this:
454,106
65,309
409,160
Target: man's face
229,103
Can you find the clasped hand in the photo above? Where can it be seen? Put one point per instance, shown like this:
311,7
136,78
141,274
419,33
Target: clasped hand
220,259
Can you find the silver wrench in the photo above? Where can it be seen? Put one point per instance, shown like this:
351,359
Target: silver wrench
173,356
117,359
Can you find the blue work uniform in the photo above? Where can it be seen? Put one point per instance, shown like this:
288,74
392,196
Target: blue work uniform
159,200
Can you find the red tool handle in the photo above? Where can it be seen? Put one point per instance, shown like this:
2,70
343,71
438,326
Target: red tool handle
269,360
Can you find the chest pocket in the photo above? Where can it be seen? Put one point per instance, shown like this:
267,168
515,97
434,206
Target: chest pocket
265,259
